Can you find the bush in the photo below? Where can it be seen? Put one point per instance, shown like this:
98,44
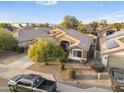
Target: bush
45,50
68,60
46,63
83,62
62,59
71,73
98,67
20,49
7,41
61,66
15,49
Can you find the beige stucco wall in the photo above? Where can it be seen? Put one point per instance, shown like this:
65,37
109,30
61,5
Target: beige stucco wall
71,41
62,36
26,44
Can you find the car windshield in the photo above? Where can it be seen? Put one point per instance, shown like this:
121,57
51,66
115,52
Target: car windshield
120,80
119,77
38,81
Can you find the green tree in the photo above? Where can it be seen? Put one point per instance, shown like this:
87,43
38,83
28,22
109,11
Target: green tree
6,25
117,26
44,25
34,25
70,22
45,50
103,23
94,25
7,41
82,28
47,25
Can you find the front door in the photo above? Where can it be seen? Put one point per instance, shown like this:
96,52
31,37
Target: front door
64,45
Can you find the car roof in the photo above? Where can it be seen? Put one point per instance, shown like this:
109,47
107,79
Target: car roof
30,77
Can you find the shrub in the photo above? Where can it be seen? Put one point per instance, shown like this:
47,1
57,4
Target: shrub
15,49
46,63
68,60
61,66
62,59
45,50
7,41
20,49
83,62
98,67
71,73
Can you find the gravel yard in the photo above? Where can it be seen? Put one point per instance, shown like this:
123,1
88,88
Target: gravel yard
85,78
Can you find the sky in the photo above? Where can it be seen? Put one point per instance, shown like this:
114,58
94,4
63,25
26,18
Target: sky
53,12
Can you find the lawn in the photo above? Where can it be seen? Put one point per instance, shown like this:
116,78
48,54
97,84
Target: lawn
85,77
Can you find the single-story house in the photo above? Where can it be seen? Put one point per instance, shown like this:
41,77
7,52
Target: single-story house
76,44
27,36
112,44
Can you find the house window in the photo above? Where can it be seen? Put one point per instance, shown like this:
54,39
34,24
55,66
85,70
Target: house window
77,53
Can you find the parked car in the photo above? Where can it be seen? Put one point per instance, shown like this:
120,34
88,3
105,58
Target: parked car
116,70
31,83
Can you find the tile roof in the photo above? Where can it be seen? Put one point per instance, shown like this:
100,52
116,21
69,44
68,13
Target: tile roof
32,34
85,41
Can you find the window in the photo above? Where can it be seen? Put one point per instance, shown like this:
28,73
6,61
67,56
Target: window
20,83
38,81
24,83
77,53
119,77
27,84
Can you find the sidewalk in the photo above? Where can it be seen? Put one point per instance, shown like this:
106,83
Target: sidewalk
67,88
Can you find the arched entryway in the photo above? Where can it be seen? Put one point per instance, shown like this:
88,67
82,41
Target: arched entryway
64,44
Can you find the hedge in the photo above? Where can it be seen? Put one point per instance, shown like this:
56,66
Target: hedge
20,49
98,67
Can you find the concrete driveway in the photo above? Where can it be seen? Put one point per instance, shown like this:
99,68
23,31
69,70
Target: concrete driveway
21,65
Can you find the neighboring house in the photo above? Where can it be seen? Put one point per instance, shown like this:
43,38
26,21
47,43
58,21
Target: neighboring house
28,36
112,44
76,44
105,31
19,25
